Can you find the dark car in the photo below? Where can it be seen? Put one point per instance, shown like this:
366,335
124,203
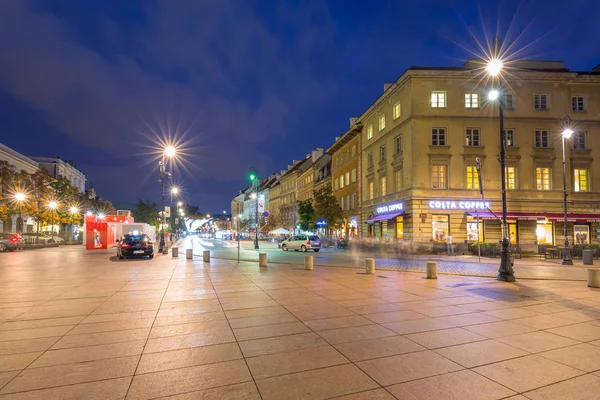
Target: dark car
11,242
132,245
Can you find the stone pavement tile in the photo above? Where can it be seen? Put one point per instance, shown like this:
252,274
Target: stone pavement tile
249,304
460,300
584,356
264,331
460,385
7,376
70,374
480,353
112,326
294,361
584,387
394,316
407,367
259,320
240,391
377,394
584,332
92,319
186,329
527,373
280,344
376,308
579,315
94,339
165,360
417,304
340,380
337,323
183,380
417,325
189,318
255,312
186,341
364,302
321,312
17,361
34,333
106,389
40,323
442,311
176,311
511,313
485,306
377,348
90,353
25,346
468,319
356,333
499,329
548,308
543,321
536,342
444,338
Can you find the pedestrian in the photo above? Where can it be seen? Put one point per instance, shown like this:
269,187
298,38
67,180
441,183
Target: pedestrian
450,248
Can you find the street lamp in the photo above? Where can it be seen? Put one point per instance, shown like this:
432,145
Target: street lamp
73,210
505,272
174,191
20,197
169,151
52,205
567,256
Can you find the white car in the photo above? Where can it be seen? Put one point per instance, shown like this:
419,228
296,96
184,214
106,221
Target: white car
302,243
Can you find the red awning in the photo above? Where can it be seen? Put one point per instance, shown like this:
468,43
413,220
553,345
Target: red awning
523,216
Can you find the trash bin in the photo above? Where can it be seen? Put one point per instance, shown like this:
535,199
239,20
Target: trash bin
588,257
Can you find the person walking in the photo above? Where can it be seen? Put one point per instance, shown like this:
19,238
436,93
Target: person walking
450,247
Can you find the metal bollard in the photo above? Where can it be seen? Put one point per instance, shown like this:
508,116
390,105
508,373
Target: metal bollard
370,266
262,260
206,256
308,263
174,252
593,277
431,270
166,249
189,254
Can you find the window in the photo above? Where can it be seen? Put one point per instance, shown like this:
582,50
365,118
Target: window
438,99
438,136
382,153
509,138
342,181
542,178
510,178
370,132
581,234
370,160
353,175
579,142
471,100
354,200
347,155
540,101
382,122
347,178
398,144
439,225
472,177
577,103
371,191
335,184
472,137
541,138
353,151
342,203
397,110
438,177
543,232
508,101
580,180
383,186
348,202
398,180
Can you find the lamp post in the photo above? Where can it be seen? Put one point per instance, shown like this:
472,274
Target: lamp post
505,272
52,205
169,151
567,256
20,197
174,191
74,210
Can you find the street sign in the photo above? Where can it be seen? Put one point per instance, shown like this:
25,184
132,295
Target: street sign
167,212
266,213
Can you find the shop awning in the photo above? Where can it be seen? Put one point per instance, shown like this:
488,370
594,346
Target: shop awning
382,217
524,216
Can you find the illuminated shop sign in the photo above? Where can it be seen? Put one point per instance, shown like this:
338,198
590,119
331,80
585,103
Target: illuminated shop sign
459,205
398,207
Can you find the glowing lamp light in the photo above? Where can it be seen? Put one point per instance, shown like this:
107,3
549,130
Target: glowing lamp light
74,210
494,67
20,196
170,151
175,190
101,216
493,95
567,133
89,213
53,205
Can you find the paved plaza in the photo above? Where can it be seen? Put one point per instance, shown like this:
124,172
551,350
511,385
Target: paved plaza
75,325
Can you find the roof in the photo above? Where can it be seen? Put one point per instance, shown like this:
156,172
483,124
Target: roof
346,137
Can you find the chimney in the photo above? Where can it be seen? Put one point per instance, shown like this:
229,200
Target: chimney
317,153
354,119
386,86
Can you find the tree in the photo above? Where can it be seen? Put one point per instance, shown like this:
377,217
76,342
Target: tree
147,212
327,207
306,212
273,221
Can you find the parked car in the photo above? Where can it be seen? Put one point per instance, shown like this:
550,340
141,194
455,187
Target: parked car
132,245
302,243
42,238
11,242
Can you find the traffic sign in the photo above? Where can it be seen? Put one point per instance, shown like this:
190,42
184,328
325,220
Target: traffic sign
266,213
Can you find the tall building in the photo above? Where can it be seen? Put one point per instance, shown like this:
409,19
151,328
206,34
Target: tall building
422,137
56,167
18,160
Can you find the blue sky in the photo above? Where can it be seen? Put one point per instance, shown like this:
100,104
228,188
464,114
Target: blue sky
237,82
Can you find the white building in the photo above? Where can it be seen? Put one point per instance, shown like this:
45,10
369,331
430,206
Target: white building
57,167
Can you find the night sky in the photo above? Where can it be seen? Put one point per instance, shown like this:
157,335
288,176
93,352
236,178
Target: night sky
235,82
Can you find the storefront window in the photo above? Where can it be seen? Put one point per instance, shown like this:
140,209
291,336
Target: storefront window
582,234
512,232
440,227
399,227
544,233
384,227
474,231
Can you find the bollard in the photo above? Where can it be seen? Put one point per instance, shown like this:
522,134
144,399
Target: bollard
206,256
175,252
166,249
593,277
370,266
189,253
431,270
308,263
262,260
